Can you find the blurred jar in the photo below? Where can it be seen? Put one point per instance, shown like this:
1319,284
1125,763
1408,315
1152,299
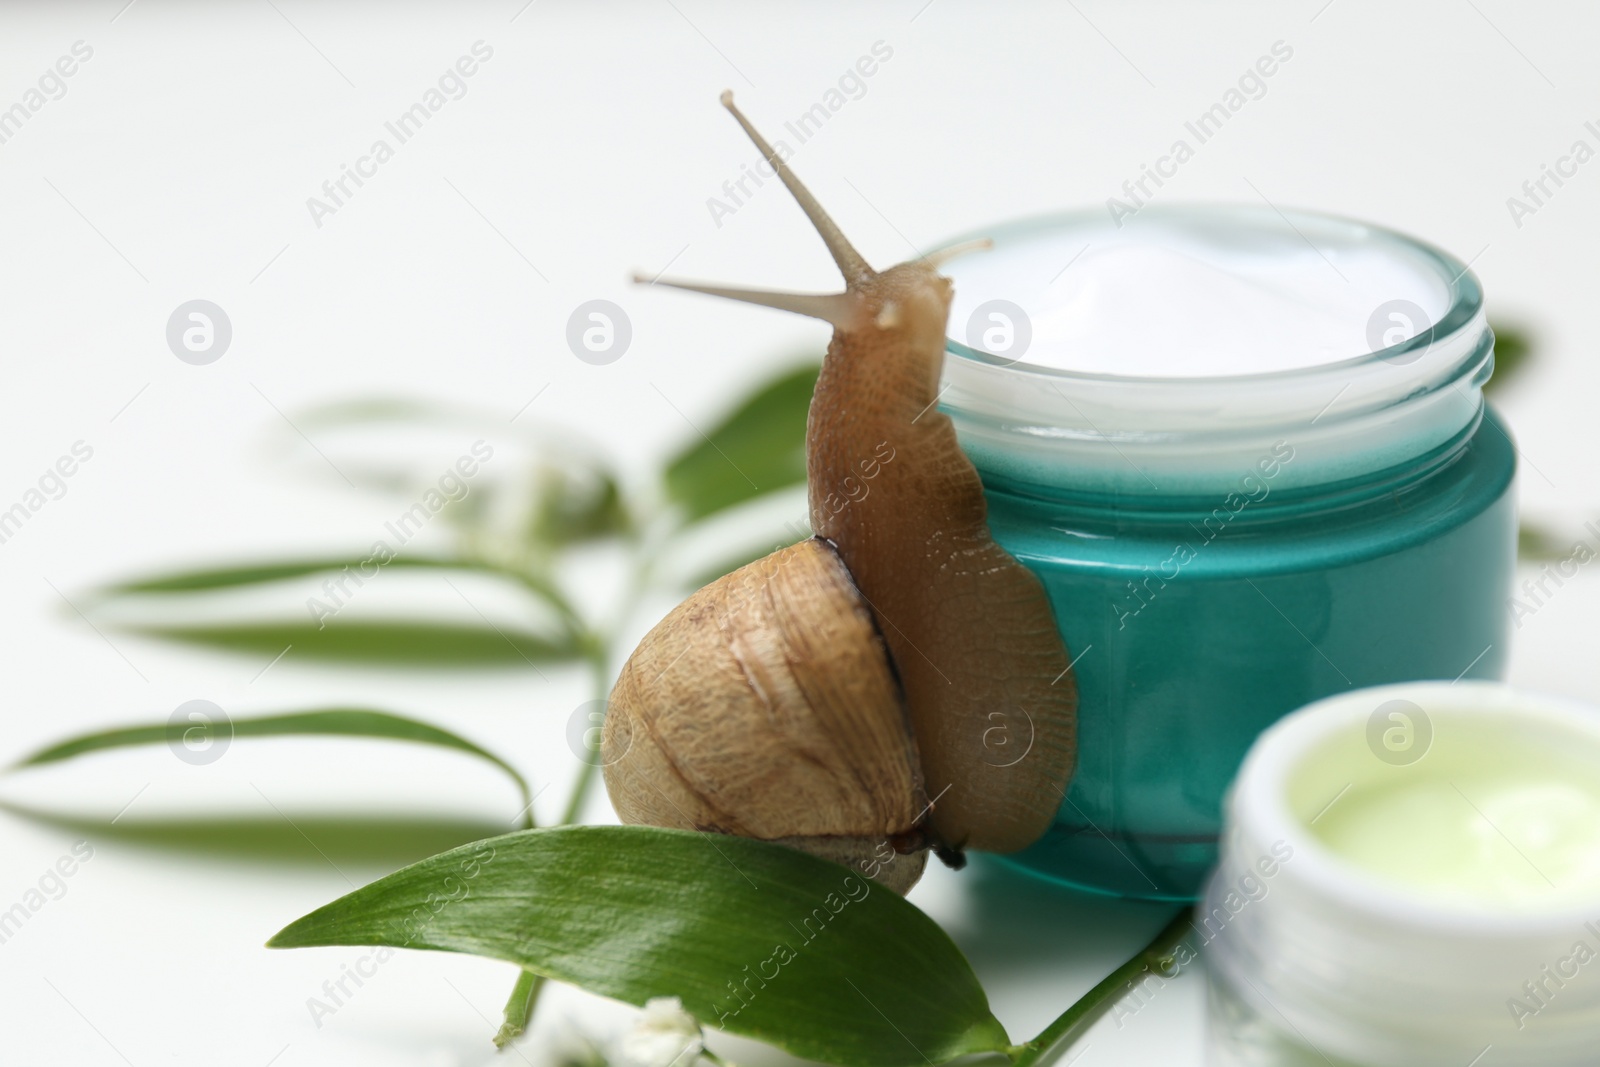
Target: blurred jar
1410,877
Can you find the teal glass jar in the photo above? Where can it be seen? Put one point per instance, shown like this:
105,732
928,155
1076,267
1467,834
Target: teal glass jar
1243,485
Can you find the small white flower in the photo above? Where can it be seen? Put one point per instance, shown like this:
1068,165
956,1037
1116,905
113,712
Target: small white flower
664,1036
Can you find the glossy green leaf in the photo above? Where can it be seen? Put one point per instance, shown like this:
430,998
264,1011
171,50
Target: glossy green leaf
755,938
211,578
757,449
322,722
388,643
1513,348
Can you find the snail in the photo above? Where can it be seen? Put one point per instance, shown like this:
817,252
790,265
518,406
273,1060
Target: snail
896,683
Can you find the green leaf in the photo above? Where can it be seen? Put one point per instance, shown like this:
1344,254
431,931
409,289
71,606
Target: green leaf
1512,349
388,643
756,938
379,409
1538,545
757,449
323,722
210,578
306,840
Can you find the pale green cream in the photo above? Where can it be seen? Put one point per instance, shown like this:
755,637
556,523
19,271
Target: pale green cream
1498,822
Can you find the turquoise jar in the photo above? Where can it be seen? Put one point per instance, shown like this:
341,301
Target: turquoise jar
1221,548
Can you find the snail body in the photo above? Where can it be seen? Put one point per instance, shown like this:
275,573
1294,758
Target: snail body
843,695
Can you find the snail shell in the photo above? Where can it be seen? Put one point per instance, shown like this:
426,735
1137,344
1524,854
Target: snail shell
764,706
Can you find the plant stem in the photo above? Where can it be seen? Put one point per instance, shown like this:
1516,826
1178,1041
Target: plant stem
519,1009
601,665
596,648
1055,1040
525,994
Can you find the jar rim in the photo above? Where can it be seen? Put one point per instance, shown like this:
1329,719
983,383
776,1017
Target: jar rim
1465,294
1062,430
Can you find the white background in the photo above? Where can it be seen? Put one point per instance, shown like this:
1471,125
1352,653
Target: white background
178,165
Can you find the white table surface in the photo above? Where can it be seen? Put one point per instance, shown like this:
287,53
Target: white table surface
177,166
